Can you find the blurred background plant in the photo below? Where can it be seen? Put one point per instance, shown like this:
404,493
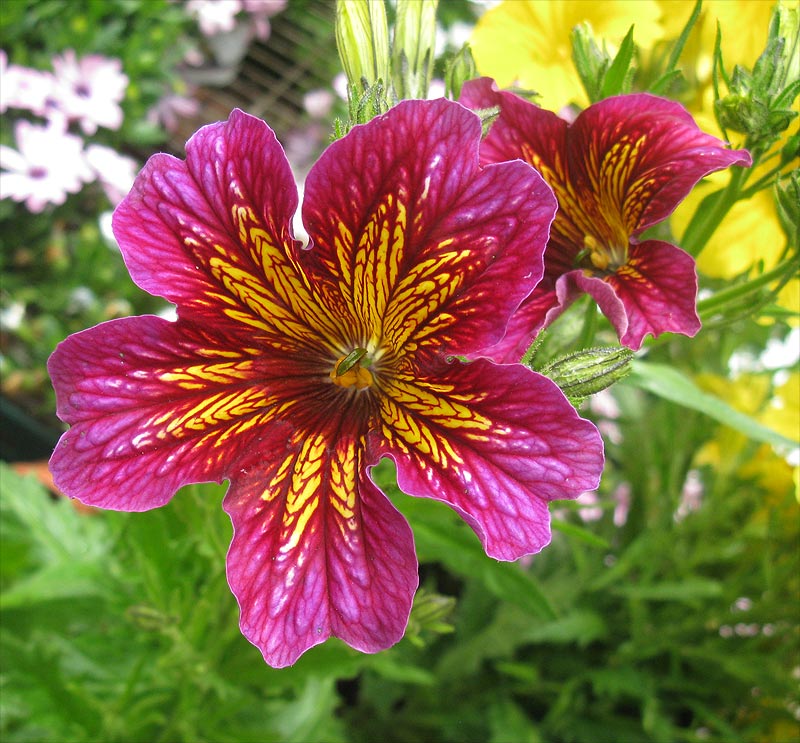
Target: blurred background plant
667,607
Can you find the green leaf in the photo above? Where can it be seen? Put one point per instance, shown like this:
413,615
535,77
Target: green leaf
440,537
663,82
617,78
670,384
65,580
682,590
581,626
578,532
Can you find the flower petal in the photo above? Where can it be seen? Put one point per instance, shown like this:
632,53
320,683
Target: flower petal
154,405
417,237
213,235
317,551
539,137
496,457
645,154
657,288
535,313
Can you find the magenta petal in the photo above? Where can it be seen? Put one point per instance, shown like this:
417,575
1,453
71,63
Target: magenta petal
196,232
656,292
669,154
149,401
534,314
496,443
317,551
423,235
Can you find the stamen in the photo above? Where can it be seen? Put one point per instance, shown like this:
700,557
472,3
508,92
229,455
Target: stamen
348,371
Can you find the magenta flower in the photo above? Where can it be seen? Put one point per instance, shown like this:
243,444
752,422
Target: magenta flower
292,371
622,166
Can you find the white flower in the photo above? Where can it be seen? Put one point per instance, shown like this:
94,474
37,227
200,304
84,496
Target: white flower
48,164
25,88
115,172
214,16
90,90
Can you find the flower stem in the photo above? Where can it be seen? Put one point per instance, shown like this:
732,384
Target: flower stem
728,296
711,212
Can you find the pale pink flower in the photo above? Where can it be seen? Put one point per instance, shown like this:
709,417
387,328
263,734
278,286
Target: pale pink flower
48,164
25,88
89,90
170,109
590,509
214,16
318,103
622,500
115,172
260,11
691,495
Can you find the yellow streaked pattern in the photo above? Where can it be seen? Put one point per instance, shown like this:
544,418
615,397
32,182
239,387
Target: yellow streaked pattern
345,467
198,376
209,413
303,496
309,480
592,217
284,305
411,415
622,199
420,293
571,221
367,265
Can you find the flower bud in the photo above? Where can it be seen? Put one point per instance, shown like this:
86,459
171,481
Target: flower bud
362,36
413,51
590,60
760,103
458,70
587,372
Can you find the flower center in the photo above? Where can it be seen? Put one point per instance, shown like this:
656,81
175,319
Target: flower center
604,257
348,370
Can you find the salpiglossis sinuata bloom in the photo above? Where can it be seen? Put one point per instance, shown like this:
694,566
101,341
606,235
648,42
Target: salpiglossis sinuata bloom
291,370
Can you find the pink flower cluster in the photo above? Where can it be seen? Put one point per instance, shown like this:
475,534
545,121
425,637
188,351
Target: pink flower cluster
49,161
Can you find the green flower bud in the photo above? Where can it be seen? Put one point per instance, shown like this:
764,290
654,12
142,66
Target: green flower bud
430,614
761,103
590,60
601,75
362,36
459,68
413,51
587,372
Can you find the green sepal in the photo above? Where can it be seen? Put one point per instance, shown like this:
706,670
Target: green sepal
458,69
589,371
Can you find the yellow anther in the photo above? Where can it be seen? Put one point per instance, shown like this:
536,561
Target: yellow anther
604,257
348,373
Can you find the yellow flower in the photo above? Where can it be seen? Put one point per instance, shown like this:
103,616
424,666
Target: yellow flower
749,237
527,42
750,233
778,410
744,25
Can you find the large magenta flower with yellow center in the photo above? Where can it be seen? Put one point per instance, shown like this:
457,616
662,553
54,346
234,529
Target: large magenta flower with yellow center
291,371
621,167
